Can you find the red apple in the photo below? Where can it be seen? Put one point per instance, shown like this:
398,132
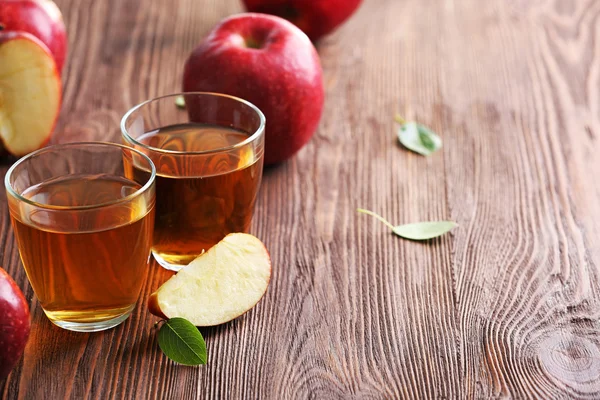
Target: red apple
269,62
316,18
14,323
30,93
42,19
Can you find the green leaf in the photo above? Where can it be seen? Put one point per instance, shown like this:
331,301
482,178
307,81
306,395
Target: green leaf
180,102
182,342
424,230
416,231
418,138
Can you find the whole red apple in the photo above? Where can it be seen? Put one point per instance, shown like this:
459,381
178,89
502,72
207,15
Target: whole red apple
271,63
316,18
14,323
42,19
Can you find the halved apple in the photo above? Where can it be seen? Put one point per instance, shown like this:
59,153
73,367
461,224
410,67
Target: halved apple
30,93
218,286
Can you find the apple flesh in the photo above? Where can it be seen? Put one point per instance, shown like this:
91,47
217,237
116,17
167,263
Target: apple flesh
272,64
30,93
14,323
316,18
42,19
218,286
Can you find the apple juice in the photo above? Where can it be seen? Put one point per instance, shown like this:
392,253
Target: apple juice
205,188
85,265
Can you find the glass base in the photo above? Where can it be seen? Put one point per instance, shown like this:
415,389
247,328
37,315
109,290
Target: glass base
94,326
167,263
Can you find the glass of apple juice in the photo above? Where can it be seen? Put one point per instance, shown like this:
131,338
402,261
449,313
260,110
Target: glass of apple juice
209,160
83,222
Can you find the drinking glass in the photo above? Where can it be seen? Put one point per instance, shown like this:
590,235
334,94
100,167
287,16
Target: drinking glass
83,224
209,162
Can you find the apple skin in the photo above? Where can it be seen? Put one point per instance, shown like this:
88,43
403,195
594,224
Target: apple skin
42,19
271,63
154,308
316,18
14,323
5,37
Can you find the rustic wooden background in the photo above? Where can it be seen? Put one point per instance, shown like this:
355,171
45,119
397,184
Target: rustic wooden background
507,306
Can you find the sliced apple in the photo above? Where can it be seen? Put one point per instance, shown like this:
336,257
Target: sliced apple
30,93
218,286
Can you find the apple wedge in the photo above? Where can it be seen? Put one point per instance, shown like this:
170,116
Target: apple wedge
30,93
41,18
218,286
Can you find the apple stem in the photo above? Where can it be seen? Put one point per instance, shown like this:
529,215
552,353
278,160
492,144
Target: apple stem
253,43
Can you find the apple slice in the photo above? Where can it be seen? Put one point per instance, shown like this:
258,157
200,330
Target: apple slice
41,18
30,93
218,286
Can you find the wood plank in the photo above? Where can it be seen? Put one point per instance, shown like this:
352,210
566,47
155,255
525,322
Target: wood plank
506,306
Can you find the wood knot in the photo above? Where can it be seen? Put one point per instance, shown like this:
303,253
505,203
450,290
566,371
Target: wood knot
571,359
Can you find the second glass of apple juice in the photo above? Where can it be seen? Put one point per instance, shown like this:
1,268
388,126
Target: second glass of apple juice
209,161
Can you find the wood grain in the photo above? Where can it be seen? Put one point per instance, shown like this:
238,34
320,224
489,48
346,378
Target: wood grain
506,306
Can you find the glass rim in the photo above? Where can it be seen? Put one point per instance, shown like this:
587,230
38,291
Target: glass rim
254,136
55,147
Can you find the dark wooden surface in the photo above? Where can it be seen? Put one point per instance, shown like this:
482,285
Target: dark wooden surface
507,306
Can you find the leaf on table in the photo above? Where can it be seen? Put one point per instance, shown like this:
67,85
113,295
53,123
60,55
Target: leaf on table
415,231
182,342
418,138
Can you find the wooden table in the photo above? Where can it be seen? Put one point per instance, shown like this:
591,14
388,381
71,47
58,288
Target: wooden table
507,305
